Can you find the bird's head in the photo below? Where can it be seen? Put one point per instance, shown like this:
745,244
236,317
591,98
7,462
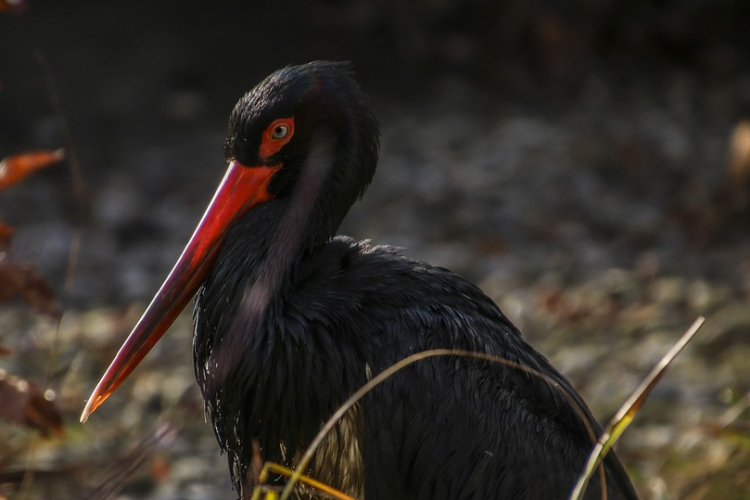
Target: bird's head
304,136
313,124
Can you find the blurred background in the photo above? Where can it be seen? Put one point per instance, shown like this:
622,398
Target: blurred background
586,162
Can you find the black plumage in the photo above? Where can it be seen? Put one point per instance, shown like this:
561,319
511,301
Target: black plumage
290,320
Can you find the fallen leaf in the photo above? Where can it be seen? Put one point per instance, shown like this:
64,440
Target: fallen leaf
13,6
6,234
23,403
20,279
738,167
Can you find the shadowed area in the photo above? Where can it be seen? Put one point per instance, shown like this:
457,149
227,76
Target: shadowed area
582,164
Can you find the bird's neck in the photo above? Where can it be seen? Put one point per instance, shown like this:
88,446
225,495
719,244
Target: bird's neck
303,223
256,264
235,317
251,273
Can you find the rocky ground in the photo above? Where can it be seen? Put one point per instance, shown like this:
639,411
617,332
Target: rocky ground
591,200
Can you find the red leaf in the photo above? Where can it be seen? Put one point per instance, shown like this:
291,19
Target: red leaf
6,234
13,6
19,279
23,403
14,169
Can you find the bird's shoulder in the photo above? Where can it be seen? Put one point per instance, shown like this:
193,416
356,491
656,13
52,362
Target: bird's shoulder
382,306
376,296
382,277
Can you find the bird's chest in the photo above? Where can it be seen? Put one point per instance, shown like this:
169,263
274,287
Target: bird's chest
291,375
302,382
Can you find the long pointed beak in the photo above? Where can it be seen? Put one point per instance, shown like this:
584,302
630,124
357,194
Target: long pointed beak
241,189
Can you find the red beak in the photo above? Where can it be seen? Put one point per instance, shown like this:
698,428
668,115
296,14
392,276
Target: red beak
241,189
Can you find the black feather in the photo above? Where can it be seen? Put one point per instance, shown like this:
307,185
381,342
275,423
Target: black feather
292,320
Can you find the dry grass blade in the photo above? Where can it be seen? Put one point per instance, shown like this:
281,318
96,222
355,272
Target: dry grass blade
622,419
79,189
389,372
735,411
271,467
161,435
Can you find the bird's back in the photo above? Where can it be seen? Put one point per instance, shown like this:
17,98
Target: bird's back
447,427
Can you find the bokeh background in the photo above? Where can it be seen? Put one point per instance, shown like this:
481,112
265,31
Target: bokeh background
586,162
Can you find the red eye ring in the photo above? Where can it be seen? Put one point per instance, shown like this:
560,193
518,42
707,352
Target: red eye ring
276,136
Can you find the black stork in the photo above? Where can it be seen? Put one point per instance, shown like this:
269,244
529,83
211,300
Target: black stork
290,320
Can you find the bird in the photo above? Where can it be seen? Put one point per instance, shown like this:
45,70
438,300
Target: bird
290,319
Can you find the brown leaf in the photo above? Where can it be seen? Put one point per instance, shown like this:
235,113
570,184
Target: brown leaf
14,169
20,279
738,167
6,234
23,403
13,6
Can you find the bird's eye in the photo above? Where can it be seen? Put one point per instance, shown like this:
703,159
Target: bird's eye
276,136
280,131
